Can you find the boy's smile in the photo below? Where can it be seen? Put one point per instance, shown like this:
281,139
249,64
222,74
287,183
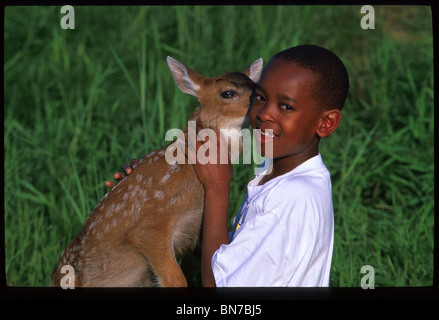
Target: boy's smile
283,103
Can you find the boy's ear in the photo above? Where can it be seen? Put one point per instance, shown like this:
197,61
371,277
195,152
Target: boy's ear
329,122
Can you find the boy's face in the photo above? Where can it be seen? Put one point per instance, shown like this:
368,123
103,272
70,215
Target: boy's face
282,102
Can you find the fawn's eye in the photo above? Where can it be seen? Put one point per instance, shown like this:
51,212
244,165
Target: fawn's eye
229,94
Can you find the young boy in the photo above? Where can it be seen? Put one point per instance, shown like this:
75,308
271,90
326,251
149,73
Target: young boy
283,232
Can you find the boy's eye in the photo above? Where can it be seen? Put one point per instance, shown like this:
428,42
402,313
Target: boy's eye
228,94
286,107
258,97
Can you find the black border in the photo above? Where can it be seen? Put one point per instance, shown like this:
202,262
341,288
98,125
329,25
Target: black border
272,300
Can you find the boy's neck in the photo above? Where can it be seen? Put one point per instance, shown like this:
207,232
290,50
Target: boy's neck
283,165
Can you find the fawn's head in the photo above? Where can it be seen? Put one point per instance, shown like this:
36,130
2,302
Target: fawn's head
224,100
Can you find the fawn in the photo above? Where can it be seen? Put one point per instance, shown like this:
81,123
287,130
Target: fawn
132,237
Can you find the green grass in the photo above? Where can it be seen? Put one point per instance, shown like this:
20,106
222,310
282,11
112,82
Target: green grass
78,104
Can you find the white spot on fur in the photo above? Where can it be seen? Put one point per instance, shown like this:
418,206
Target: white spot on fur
174,167
142,198
158,194
119,206
110,210
99,234
92,225
166,177
114,222
135,212
136,190
173,200
142,193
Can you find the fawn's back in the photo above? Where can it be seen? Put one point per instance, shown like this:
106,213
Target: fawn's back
133,235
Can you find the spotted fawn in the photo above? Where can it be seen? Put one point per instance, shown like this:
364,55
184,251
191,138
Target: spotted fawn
133,236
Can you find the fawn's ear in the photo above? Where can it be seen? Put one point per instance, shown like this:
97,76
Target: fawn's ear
186,79
254,70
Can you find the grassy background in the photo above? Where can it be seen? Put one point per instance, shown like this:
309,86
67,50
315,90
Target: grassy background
78,104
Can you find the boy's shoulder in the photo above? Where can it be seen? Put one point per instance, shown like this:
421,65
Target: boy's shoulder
309,182
306,174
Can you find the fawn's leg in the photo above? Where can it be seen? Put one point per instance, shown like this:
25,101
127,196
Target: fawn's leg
165,267
152,238
121,267
162,262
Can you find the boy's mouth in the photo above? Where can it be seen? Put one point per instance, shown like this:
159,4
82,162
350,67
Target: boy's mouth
264,136
268,134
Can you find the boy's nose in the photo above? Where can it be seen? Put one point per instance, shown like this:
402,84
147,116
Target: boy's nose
267,113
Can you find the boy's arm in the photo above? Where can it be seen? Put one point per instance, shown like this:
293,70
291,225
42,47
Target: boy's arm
215,179
215,231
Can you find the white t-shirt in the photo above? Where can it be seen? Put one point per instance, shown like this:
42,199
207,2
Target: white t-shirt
283,233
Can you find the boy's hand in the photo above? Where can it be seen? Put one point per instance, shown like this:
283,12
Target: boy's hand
128,169
213,176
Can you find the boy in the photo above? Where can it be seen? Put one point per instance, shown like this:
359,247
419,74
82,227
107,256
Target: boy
283,232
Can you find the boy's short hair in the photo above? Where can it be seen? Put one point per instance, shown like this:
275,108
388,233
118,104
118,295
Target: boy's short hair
332,81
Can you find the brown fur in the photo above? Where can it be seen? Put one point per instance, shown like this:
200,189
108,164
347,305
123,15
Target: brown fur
154,214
